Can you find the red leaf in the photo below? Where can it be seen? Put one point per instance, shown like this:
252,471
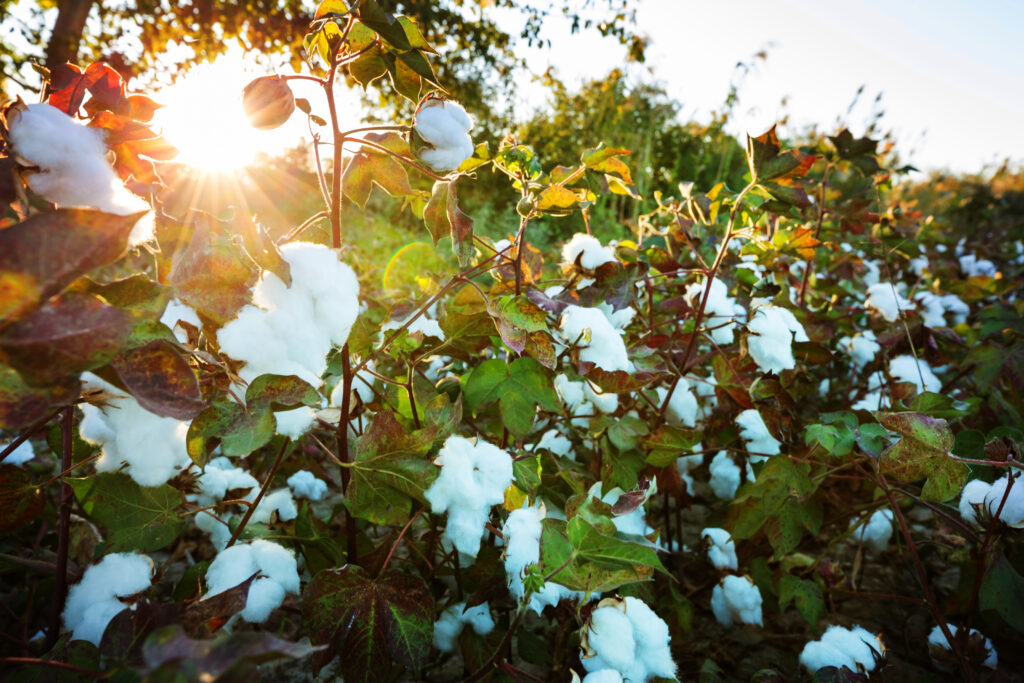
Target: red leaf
160,379
67,88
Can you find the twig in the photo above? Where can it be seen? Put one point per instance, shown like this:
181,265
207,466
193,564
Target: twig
60,590
259,496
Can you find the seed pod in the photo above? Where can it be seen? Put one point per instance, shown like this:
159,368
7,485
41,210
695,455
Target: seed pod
268,102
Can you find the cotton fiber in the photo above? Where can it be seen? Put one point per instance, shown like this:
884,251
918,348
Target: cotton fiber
74,170
856,649
634,522
278,505
93,601
721,548
278,576
972,266
473,478
725,476
882,297
625,635
682,404
522,533
445,126
906,368
720,312
589,251
774,329
305,484
449,625
937,639
736,599
875,532
754,431
603,676
605,401
423,325
153,447
598,340
861,347
684,465
978,494
557,443
619,319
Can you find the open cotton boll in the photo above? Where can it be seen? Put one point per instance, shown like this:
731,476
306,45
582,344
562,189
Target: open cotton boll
20,455
754,431
875,532
603,676
919,264
179,312
854,649
971,497
861,347
278,576
445,126
569,391
305,484
451,622
721,548
557,443
625,635
362,385
937,639
74,169
682,404
619,319
295,422
422,324
522,532
1012,512
956,307
771,345
152,446
684,465
606,402
736,599
906,368
884,299
219,477
93,601
720,311
933,313
972,266
279,503
598,340
473,478
725,476
634,522
588,249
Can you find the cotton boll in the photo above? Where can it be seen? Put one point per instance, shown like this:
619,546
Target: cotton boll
736,599
725,476
817,654
522,532
626,636
972,266
93,601
861,347
219,477
20,455
973,496
876,532
295,422
279,503
589,251
937,640
603,676
278,576
473,478
854,649
651,636
919,264
884,299
684,465
1012,512
556,443
610,634
633,523
771,345
451,622
422,324
906,368
305,484
445,126
177,311
720,310
599,342
955,306
755,432
152,446
606,402
682,404
721,548
74,170
933,313
569,391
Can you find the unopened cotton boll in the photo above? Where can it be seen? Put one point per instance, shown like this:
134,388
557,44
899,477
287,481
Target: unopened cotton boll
736,599
305,484
277,571
599,342
451,622
861,347
771,345
153,447
725,476
74,169
876,531
20,455
473,478
94,601
754,431
986,651
721,548
906,368
856,649
884,299
589,250
625,635
445,127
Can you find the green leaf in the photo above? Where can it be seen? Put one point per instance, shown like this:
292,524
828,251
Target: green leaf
528,386
969,443
237,430
923,452
280,392
384,23
160,379
137,518
369,66
20,500
872,438
937,405
559,557
807,595
666,444
370,167
779,480
483,385
556,197
1002,590
767,161
607,551
369,623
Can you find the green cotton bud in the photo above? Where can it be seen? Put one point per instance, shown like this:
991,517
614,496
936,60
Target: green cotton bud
533,580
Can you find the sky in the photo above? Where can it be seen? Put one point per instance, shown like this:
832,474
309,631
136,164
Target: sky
951,74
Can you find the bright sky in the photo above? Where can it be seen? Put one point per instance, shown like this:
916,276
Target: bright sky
951,73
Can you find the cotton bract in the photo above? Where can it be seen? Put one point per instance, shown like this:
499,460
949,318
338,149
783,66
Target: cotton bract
153,447
74,170
599,342
445,126
473,478
856,649
588,249
625,635
93,601
721,548
754,431
736,599
278,576
771,346
451,622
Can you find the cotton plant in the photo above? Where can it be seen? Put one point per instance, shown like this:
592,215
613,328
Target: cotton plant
934,308
444,126
736,600
74,170
681,408
855,649
473,478
588,251
150,447
721,548
102,594
773,331
594,335
276,572
626,636
972,266
874,532
522,531
452,621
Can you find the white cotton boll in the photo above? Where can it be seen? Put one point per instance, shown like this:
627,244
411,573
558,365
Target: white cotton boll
152,446
219,532
736,599
593,253
557,443
771,345
446,126
363,381
598,340
972,266
725,476
633,523
906,368
278,576
755,432
1012,512
473,478
938,639
919,265
722,549
840,647
93,601
569,391
628,637
873,274
295,422
651,637
817,655
876,531
305,484
610,634
861,347
619,319
720,310
956,307
451,622
422,324
684,465
606,402
884,299
522,532
603,676
682,404
20,455
74,169
219,477
933,313
177,311
279,502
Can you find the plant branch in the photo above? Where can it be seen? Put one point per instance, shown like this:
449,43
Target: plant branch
259,496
